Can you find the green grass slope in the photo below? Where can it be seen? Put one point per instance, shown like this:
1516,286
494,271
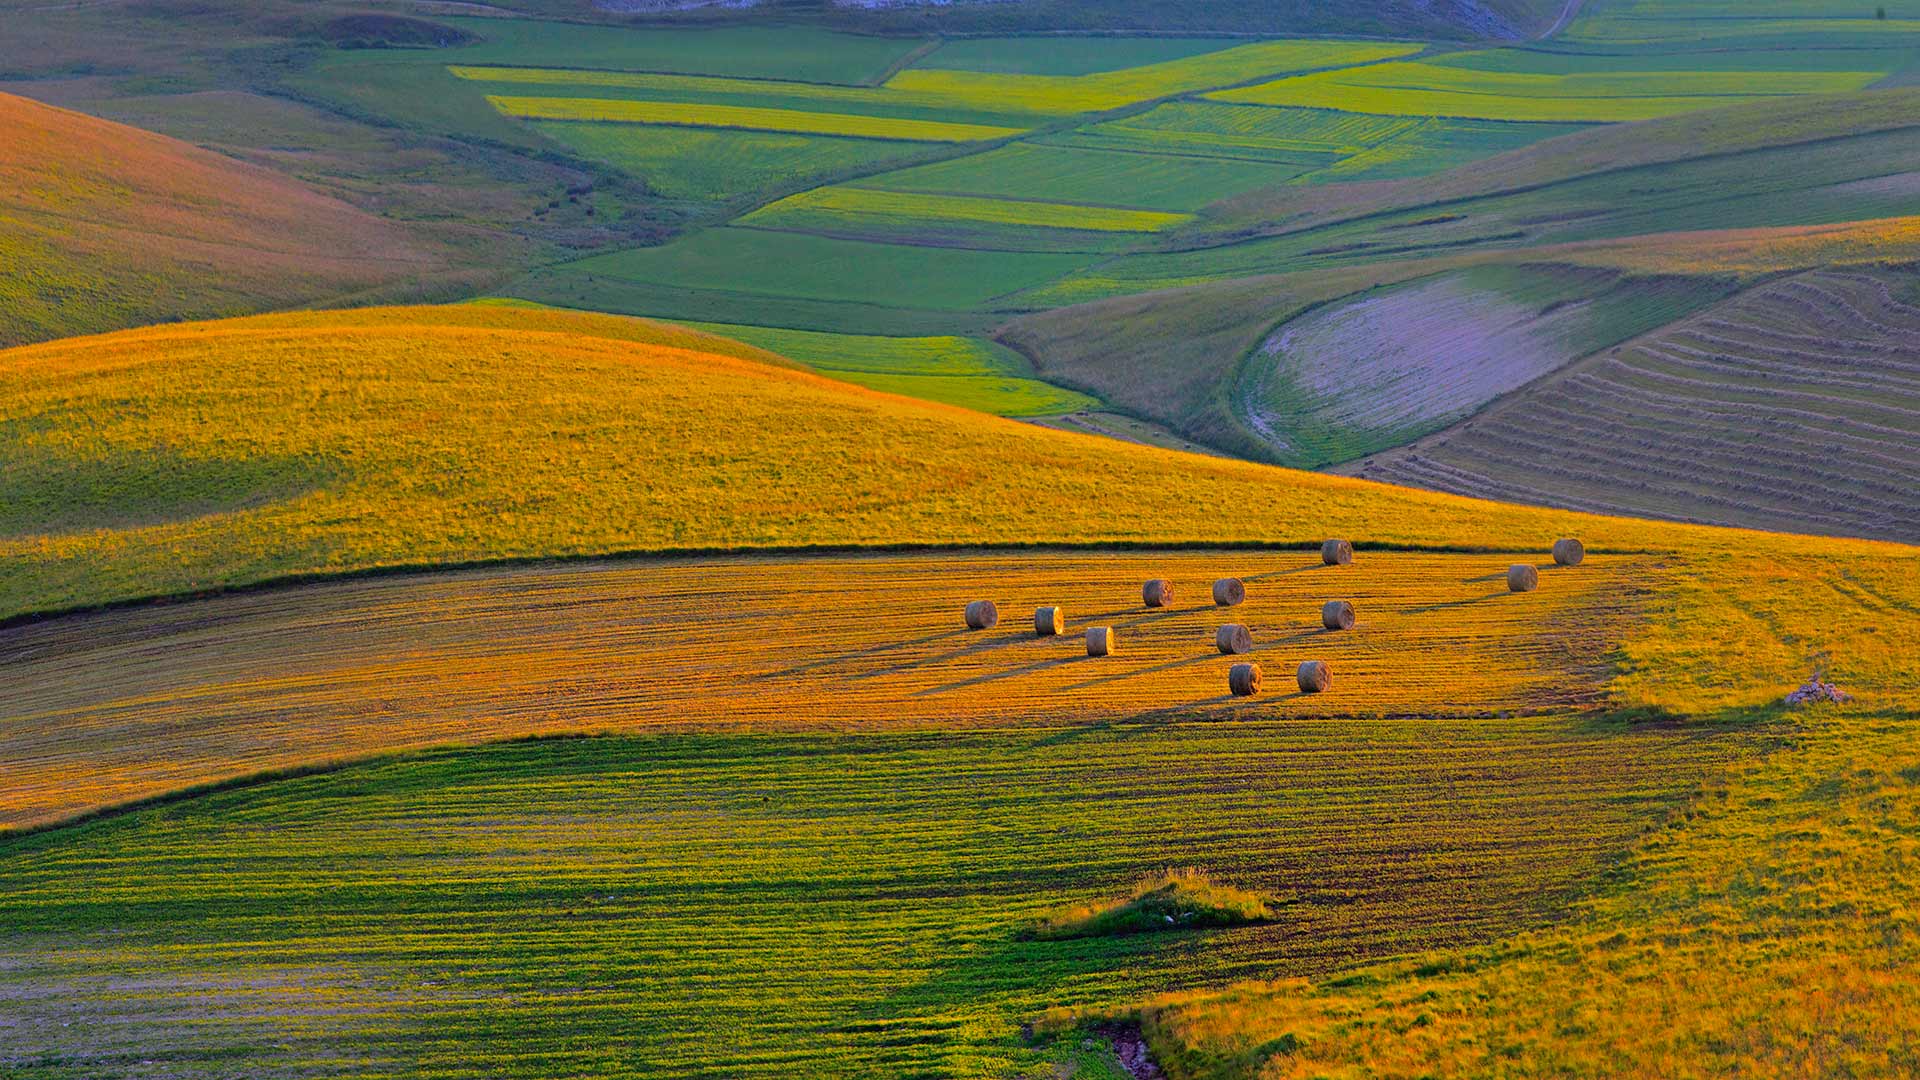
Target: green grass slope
105,226
769,906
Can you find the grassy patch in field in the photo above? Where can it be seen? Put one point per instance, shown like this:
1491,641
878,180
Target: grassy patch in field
1766,930
1171,182
1171,900
1450,87
1060,55
717,164
743,117
773,905
969,372
760,262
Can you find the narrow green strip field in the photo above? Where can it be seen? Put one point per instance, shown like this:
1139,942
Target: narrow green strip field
846,906
917,206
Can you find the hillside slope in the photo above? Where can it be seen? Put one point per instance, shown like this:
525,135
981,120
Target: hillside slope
190,457
1795,406
104,225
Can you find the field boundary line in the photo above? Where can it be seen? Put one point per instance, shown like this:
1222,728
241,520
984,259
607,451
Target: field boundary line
283,581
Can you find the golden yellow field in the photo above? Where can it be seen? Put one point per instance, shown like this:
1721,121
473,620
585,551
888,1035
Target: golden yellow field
101,710
206,456
745,117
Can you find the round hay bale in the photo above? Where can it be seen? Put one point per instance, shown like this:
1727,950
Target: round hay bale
1048,621
1229,592
982,615
1244,680
1569,552
1100,641
1337,615
1157,593
1314,676
1233,639
1523,577
1336,553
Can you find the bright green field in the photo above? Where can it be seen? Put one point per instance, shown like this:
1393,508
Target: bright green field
778,906
1312,145
695,163
968,372
1450,88
799,53
756,261
1064,174
1055,55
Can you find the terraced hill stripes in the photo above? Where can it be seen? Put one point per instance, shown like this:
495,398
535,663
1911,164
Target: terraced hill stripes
1794,406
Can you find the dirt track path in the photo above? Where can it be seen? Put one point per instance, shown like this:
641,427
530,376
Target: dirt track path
1567,15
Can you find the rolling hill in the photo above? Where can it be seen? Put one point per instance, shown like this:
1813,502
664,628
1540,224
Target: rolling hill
338,855
290,445
111,226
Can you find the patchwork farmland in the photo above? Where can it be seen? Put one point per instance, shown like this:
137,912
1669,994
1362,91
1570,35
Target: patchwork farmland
675,546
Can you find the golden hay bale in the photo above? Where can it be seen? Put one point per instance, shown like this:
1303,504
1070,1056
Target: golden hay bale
1048,621
1569,552
1157,593
1233,639
1229,592
1314,676
1244,680
1337,615
982,615
1336,553
1100,641
1523,577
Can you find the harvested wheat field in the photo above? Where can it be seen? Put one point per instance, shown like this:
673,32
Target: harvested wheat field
107,708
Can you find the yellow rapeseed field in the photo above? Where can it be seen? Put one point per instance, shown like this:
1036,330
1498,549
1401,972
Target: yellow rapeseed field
745,117
913,207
